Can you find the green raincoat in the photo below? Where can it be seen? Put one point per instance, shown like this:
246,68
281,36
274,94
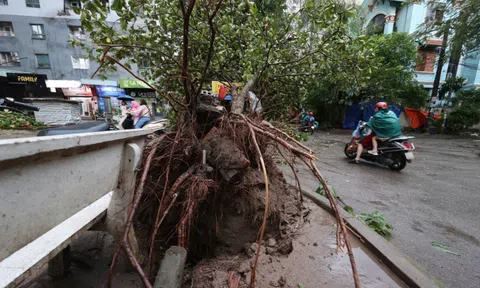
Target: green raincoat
385,124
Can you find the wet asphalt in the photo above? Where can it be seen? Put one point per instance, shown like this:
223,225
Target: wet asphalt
434,199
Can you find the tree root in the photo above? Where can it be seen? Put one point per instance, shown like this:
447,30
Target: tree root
194,185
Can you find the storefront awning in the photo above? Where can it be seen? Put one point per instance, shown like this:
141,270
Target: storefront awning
133,84
98,82
3,72
63,84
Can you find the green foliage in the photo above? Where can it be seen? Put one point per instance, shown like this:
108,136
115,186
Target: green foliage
444,248
377,222
10,120
453,84
463,117
349,209
321,191
394,77
292,131
287,52
466,112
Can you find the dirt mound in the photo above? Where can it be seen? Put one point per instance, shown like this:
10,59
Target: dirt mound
217,208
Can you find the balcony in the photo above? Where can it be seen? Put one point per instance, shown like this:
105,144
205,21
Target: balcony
425,78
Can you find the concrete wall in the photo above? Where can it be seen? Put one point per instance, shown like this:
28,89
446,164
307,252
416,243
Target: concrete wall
57,111
46,180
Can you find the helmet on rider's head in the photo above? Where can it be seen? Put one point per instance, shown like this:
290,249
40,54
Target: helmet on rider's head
310,113
381,105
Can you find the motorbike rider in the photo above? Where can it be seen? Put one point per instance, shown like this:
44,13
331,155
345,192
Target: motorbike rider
308,120
385,124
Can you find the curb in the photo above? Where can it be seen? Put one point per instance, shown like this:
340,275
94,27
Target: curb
407,271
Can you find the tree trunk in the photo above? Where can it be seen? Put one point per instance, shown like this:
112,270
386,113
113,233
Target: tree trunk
441,58
238,105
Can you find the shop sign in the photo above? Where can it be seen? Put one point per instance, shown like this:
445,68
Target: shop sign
63,84
38,79
143,94
98,82
83,90
109,91
133,83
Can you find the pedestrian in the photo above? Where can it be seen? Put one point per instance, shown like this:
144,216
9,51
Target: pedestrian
142,113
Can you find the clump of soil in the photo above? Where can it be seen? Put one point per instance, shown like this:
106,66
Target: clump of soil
217,207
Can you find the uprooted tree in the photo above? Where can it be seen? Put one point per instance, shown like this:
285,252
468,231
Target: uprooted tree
213,161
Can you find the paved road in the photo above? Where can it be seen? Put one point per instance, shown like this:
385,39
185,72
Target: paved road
436,198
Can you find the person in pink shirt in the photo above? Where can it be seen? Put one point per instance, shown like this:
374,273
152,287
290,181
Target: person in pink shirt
141,113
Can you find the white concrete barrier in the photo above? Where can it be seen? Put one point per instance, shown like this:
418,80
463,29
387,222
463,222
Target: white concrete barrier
52,188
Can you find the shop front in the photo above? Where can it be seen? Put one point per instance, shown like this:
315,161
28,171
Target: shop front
84,95
107,98
23,85
141,91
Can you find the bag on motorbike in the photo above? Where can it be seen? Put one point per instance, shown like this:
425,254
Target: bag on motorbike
128,123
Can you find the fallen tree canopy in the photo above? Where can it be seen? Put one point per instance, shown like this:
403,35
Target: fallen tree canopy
210,184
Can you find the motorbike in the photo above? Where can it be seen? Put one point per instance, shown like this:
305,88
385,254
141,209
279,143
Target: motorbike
307,126
393,153
8,104
158,127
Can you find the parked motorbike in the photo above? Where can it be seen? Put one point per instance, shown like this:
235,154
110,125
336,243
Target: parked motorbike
158,127
8,104
393,153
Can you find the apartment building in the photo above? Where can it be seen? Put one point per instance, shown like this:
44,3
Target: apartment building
390,16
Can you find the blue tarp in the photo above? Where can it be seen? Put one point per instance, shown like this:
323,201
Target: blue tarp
363,111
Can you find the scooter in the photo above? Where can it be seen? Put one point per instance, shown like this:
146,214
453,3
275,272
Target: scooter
393,153
8,104
157,126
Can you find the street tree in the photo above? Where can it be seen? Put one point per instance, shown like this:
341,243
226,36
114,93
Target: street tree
188,43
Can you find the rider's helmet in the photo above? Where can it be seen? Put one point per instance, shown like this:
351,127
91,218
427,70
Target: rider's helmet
310,113
381,105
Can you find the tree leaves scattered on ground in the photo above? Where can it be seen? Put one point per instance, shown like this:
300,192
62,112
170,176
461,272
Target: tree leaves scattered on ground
444,248
10,120
377,222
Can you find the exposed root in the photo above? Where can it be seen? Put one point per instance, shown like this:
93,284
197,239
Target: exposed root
184,172
265,215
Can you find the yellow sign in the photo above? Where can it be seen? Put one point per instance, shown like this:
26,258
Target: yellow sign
31,79
217,84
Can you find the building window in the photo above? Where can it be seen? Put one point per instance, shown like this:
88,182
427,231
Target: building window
426,62
435,12
6,29
37,31
80,63
76,32
72,4
43,61
376,25
3,2
33,3
144,63
9,59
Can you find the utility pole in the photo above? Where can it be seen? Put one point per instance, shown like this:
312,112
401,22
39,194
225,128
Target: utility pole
455,55
438,74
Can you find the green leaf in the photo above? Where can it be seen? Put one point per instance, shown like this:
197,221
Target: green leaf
444,248
349,209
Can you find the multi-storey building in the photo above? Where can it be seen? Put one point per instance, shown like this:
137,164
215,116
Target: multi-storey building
388,16
34,46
